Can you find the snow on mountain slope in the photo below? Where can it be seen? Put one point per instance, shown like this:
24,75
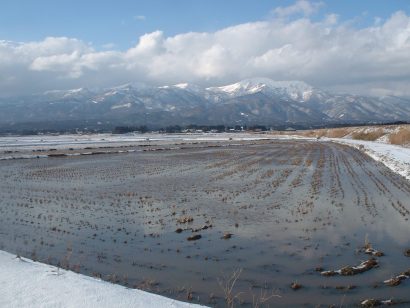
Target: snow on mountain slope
80,93
296,90
247,102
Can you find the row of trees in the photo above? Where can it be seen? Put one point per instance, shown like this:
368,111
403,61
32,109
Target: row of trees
130,129
192,128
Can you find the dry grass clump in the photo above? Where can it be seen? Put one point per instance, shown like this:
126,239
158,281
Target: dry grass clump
337,132
369,135
295,286
227,284
401,137
309,133
321,133
353,270
185,219
331,133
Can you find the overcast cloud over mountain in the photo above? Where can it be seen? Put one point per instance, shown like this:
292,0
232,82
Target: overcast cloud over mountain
292,43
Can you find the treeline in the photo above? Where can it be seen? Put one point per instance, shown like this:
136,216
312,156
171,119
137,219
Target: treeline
190,128
95,127
193,128
129,129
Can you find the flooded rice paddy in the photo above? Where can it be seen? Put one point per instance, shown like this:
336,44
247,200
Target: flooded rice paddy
186,221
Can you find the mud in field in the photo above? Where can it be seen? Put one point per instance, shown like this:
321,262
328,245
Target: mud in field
182,222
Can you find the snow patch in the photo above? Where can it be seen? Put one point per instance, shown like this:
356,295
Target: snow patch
128,105
395,157
182,85
296,90
25,283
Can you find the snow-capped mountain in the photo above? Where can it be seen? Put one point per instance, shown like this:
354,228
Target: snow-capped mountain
296,90
250,101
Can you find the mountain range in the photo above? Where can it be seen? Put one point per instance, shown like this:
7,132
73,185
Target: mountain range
253,101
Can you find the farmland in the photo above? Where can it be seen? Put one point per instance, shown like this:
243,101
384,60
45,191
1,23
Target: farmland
182,221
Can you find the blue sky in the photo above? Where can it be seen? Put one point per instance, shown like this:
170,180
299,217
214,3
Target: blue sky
347,45
122,22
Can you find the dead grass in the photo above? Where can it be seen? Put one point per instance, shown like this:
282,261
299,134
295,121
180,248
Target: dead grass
338,132
227,284
318,133
401,137
369,135
309,133
396,134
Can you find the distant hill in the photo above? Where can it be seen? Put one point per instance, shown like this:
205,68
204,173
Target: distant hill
252,101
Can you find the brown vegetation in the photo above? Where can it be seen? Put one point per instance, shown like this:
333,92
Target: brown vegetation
368,135
227,284
396,134
401,137
353,270
337,133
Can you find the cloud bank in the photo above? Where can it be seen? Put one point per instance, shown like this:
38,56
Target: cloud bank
326,53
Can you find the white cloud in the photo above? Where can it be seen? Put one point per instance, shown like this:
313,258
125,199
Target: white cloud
304,7
331,19
108,46
149,44
325,53
140,17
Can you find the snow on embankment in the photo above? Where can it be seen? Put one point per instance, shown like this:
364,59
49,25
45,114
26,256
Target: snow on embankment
395,157
25,283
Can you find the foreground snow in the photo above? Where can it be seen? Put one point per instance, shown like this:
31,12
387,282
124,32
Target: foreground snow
24,283
395,157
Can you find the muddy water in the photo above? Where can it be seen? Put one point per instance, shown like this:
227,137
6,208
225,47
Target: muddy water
291,207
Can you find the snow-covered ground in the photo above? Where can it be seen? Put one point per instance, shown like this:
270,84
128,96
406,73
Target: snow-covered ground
80,141
395,157
106,138
25,283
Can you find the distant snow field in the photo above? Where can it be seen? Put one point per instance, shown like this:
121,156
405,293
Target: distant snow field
25,283
27,147
63,141
397,158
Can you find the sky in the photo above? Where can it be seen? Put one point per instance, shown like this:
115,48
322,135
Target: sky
347,46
